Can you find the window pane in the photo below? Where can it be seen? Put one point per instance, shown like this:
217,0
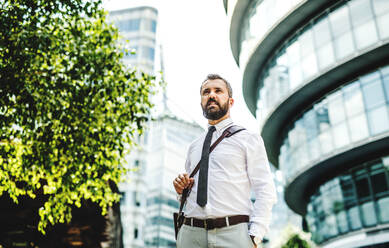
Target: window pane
368,212
306,43
344,45
340,21
330,222
322,33
383,23
365,34
309,66
379,183
293,52
342,221
325,56
311,124
383,205
295,77
362,186
321,110
358,127
336,108
373,94
325,139
378,120
349,196
360,11
353,99
380,6
314,149
355,221
341,133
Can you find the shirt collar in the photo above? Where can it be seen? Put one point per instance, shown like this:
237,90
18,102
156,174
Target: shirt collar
223,124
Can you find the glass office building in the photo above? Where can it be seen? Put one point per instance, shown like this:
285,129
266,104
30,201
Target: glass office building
138,25
316,75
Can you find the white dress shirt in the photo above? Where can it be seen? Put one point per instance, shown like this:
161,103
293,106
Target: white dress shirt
237,166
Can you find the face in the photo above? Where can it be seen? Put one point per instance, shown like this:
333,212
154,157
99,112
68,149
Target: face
215,101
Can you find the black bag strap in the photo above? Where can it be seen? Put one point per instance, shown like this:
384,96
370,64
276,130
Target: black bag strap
226,134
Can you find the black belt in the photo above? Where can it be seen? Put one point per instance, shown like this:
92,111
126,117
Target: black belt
210,224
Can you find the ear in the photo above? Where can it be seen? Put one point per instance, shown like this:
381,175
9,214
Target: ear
231,102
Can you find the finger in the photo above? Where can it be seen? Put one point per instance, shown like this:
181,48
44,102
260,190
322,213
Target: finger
180,183
183,179
178,187
187,179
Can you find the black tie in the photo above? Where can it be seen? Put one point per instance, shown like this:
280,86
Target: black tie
203,174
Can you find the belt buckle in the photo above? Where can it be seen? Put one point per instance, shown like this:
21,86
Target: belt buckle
209,224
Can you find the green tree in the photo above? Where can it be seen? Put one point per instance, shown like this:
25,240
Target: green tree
295,241
68,105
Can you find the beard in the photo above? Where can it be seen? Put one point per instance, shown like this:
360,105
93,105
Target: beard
212,113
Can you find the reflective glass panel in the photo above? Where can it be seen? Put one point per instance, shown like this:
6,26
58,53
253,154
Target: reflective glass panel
358,127
295,77
344,45
379,183
336,108
378,120
383,205
353,99
383,23
309,65
368,213
322,32
340,21
362,186
314,149
360,11
293,52
306,43
355,221
325,56
380,6
325,139
341,218
373,94
365,34
311,124
340,131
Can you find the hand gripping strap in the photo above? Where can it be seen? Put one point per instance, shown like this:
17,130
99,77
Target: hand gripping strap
227,133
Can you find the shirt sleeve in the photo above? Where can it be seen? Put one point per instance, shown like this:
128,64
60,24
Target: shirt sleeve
262,184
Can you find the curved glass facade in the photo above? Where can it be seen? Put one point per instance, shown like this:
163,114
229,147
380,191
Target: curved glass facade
339,121
260,17
354,200
339,34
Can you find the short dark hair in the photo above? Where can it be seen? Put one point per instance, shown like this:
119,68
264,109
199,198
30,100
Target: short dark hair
217,76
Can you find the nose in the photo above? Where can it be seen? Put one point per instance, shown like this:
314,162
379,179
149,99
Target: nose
212,94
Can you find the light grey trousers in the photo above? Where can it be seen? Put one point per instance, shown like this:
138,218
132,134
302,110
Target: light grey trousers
235,236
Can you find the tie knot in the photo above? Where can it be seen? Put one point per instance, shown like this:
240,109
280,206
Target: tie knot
211,129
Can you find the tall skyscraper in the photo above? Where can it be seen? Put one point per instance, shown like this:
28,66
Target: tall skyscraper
137,27
316,75
169,142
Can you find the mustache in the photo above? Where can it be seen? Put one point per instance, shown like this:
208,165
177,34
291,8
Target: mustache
212,100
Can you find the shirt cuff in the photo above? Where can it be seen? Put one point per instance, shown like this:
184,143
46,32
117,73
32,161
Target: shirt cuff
256,230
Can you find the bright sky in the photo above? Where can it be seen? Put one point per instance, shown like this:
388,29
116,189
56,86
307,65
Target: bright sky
195,40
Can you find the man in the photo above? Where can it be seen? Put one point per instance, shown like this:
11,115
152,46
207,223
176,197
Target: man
220,191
